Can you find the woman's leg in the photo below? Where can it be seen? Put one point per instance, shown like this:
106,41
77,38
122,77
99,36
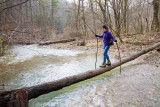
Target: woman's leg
104,57
105,54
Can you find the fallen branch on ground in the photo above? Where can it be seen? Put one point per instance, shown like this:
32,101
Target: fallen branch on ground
61,41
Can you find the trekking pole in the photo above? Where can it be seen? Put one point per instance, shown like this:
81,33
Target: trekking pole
96,54
119,56
97,44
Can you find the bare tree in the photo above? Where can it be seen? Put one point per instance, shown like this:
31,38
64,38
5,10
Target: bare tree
93,15
117,16
103,9
84,20
156,23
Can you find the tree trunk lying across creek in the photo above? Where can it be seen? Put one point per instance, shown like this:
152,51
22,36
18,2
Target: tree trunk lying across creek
61,41
34,91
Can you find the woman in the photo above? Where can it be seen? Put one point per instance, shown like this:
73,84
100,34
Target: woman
107,42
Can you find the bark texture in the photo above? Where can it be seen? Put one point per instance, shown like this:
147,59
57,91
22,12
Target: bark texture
155,23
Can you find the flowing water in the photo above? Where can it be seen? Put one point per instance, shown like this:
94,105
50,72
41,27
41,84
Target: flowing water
35,65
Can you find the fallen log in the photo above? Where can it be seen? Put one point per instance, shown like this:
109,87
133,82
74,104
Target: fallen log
141,43
22,43
37,90
61,41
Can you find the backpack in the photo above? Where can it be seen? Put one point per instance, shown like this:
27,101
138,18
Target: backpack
109,42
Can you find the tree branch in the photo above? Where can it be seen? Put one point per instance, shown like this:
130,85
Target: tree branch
14,31
3,2
13,6
151,3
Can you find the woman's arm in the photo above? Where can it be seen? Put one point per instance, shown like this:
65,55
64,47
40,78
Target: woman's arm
100,36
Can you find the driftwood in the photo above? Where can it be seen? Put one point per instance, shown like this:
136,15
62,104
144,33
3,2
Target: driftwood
62,41
41,89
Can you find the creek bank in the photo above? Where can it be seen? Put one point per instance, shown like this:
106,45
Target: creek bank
126,49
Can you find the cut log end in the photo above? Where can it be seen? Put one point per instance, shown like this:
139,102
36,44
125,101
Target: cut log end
18,98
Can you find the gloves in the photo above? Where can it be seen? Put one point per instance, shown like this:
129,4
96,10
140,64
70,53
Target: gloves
95,35
115,40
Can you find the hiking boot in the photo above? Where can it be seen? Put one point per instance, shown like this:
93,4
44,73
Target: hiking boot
108,63
103,65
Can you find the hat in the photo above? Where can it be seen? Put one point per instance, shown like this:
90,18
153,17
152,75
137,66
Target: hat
105,27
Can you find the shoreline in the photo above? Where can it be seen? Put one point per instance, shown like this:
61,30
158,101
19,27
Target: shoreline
126,50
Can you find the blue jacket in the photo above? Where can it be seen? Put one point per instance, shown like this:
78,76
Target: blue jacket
107,36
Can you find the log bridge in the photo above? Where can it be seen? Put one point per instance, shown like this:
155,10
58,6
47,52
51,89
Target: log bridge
20,97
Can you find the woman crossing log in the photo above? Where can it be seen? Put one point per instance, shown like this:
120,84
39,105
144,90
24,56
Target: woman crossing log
107,42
